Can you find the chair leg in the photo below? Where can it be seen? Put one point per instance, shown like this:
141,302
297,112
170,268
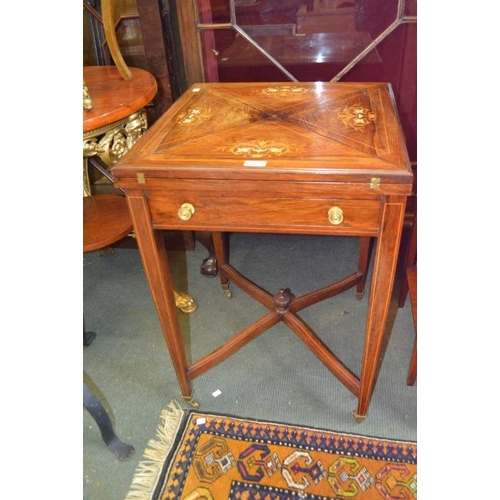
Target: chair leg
412,371
122,450
411,276
410,261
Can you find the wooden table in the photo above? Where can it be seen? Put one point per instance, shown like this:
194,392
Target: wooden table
297,158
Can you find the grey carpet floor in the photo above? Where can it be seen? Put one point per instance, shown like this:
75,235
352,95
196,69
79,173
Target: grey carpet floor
274,378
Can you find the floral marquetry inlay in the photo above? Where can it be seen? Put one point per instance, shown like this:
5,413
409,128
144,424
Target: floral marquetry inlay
356,117
193,116
259,149
284,91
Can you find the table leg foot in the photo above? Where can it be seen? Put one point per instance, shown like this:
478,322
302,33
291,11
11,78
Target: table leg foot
209,267
88,338
191,401
358,418
225,289
360,295
185,302
122,451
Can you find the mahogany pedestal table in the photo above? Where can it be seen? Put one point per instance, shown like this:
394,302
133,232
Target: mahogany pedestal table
296,158
114,119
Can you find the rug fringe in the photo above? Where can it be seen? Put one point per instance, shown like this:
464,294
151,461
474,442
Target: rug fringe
148,470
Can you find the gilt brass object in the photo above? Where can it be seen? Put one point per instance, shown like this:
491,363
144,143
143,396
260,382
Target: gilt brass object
225,289
88,103
111,142
335,216
186,211
185,302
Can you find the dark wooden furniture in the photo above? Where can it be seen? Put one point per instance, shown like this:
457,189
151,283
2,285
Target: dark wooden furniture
308,158
409,287
412,282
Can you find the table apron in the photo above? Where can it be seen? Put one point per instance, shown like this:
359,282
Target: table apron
255,214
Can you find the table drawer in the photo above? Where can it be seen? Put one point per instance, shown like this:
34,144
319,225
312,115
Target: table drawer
198,211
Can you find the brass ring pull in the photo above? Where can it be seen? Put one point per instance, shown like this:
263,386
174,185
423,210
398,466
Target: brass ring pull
335,216
186,211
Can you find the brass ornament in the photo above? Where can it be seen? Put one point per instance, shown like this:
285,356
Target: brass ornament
113,141
88,103
185,302
335,216
186,211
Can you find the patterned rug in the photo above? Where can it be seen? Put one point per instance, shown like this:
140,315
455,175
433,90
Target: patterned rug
204,456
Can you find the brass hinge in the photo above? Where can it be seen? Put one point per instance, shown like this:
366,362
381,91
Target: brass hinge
374,182
141,179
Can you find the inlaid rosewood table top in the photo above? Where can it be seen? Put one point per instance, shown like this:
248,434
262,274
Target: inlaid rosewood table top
298,158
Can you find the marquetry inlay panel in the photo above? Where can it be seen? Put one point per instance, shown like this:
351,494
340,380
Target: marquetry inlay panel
343,120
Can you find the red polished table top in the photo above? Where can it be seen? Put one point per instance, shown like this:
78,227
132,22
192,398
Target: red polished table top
115,98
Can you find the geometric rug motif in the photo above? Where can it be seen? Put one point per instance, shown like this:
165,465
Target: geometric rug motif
219,457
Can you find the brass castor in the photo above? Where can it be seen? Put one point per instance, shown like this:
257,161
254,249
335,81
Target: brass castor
358,418
191,402
225,289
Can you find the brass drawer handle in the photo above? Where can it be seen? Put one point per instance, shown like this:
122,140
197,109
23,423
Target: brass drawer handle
335,216
186,211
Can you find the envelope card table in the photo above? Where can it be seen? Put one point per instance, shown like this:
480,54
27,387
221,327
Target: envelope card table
295,158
